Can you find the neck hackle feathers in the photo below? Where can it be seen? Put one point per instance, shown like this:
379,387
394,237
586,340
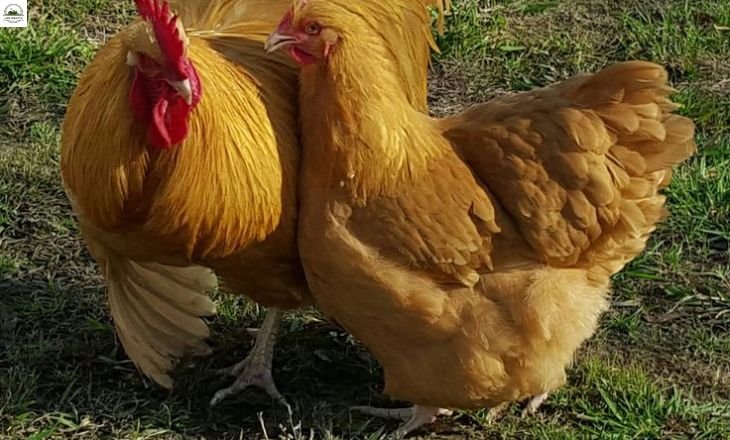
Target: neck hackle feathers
165,26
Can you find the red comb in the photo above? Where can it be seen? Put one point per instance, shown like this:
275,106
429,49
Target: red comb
164,23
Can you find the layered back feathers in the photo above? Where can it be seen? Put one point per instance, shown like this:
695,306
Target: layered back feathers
587,156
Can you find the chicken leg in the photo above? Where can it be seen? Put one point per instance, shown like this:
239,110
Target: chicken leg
255,369
414,417
534,404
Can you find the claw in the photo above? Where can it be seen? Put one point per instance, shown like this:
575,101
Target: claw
496,413
534,404
255,370
258,376
233,370
402,414
414,417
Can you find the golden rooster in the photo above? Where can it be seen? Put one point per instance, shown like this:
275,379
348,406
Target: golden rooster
179,150
471,254
179,155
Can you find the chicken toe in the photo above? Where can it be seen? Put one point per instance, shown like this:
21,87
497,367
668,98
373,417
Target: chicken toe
414,417
533,405
497,412
255,369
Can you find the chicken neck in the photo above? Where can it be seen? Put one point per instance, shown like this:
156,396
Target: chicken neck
361,124
362,136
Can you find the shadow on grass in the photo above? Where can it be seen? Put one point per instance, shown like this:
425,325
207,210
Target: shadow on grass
63,369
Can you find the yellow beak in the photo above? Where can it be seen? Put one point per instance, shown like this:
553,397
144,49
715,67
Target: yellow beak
276,41
184,90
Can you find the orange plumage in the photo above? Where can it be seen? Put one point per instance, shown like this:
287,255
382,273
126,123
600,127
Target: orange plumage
471,254
225,198
157,220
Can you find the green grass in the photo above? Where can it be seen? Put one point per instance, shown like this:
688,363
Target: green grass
38,64
659,366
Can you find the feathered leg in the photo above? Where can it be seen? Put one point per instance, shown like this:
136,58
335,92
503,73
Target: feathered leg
255,369
414,417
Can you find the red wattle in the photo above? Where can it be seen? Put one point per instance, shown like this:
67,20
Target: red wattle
176,121
155,103
302,57
169,124
158,134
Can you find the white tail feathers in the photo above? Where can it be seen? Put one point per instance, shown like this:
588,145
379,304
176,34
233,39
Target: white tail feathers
157,312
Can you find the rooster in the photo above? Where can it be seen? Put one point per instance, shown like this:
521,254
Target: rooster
179,155
473,254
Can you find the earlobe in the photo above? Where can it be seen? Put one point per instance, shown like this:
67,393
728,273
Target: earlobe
327,49
329,37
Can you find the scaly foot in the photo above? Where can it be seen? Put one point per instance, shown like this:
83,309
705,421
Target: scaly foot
497,412
255,369
414,417
534,404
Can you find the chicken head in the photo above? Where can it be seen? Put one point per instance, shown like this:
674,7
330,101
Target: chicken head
306,40
166,87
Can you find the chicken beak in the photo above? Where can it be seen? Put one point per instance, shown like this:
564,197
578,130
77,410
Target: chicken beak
184,90
276,41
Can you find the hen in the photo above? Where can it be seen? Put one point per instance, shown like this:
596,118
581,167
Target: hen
179,155
472,255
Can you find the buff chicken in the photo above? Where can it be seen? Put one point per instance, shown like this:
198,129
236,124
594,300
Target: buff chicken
179,156
471,255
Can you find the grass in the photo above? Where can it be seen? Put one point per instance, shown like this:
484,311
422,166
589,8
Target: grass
659,367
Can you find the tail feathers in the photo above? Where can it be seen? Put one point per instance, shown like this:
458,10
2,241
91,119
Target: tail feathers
678,145
633,101
442,7
632,98
157,312
632,82
579,164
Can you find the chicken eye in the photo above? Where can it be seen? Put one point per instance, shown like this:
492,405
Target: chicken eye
312,28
